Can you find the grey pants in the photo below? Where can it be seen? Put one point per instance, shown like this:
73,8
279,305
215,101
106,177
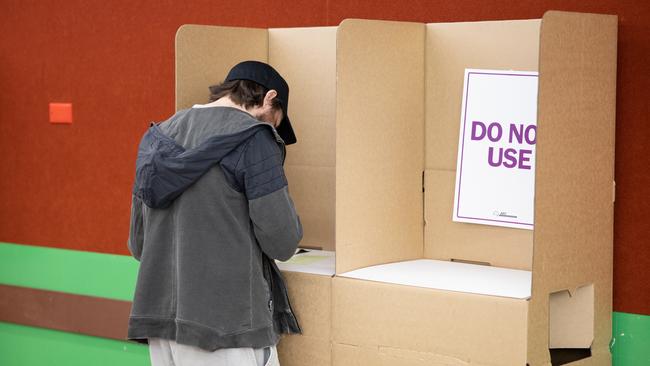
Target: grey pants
165,352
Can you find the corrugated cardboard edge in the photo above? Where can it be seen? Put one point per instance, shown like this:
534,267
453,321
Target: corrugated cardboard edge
573,205
201,59
380,142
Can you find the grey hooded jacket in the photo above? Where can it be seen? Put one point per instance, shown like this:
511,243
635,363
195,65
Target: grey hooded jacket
210,212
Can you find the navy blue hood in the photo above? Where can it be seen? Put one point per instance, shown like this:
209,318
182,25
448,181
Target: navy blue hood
165,169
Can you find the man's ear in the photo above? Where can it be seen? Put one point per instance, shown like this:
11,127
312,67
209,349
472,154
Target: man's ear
269,96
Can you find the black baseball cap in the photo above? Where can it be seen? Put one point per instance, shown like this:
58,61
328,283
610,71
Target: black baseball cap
269,78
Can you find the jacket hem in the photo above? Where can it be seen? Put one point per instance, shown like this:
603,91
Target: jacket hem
192,334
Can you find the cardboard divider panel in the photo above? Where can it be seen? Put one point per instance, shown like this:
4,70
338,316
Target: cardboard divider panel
575,170
445,239
205,54
450,49
380,152
306,58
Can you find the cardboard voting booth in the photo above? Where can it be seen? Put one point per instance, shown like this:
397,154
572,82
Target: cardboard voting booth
376,106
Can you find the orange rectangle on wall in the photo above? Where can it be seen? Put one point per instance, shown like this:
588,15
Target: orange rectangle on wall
60,112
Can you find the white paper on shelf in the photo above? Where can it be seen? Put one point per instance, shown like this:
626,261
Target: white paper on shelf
320,262
450,276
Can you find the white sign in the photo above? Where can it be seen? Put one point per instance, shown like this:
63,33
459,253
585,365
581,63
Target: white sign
495,174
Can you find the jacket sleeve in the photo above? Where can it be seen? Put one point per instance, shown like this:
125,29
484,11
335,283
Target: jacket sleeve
275,222
136,229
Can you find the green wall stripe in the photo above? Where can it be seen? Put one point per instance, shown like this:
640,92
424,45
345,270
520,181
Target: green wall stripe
73,271
631,339
30,346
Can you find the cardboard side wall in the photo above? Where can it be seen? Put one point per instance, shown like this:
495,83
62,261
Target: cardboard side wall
205,54
450,49
379,152
306,58
575,171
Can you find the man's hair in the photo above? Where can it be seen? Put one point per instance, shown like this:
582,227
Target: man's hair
243,92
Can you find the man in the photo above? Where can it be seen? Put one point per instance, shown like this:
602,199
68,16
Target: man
210,213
